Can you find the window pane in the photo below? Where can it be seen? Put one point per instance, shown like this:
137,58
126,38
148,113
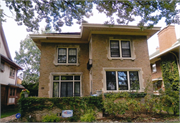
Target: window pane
72,55
66,77
62,51
126,50
111,80
122,80
69,89
62,55
76,77
55,77
63,89
55,89
114,46
134,80
77,89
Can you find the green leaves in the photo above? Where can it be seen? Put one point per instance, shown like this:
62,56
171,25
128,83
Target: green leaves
56,13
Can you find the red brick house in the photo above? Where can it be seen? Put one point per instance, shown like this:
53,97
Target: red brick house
10,90
100,57
169,47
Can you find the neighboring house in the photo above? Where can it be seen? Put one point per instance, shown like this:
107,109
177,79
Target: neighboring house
10,90
169,47
100,57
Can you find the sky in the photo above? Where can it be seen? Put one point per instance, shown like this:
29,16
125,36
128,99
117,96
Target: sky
14,33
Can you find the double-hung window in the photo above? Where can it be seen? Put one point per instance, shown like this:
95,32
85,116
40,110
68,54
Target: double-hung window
66,86
120,49
122,80
12,72
67,55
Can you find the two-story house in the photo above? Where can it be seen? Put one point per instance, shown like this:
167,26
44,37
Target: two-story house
10,89
169,48
100,57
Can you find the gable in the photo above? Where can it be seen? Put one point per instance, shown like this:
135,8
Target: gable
4,50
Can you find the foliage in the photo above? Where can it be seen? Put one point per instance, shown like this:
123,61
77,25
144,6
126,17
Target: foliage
22,92
28,58
89,116
32,87
114,108
79,105
57,13
50,118
170,73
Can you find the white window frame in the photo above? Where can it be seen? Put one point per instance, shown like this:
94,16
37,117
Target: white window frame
65,74
12,72
120,50
154,69
139,70
67,47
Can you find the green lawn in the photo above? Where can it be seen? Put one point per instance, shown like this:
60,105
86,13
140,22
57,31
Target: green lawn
9,113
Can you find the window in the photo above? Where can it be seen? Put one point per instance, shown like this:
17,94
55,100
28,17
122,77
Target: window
12,72
67,55
122,80
2,67
120,48
154,68
66,86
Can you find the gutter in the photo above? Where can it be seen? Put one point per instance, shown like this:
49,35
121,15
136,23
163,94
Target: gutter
168,50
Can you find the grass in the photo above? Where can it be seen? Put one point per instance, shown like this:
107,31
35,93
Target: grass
9,112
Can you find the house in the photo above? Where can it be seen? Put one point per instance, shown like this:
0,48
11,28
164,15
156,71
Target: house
169,48
10,90
100,57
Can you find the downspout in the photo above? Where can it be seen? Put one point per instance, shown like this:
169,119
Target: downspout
176,61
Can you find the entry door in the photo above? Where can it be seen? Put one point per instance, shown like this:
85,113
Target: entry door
66,89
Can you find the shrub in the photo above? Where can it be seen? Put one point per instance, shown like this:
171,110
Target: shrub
89,116
50,118
114,108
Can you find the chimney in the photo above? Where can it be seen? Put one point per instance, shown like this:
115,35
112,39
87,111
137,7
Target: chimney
167,37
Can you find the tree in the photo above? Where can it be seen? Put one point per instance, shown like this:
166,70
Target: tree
59,12
28,58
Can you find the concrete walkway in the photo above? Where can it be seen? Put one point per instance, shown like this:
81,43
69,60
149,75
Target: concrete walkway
9,118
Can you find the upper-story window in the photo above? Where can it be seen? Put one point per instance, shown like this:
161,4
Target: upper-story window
67,55
120,49
12,72
154,68
2,67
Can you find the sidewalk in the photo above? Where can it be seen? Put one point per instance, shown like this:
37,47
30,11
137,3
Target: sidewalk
7,119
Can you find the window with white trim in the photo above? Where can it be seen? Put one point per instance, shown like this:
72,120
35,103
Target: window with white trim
66,86
120,49
154,68
122,80
12,72
67,55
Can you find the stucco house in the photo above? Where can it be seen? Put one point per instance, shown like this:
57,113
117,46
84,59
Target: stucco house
100,57
169,48
10,89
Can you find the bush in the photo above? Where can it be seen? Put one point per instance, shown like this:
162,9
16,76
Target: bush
50,118
89,116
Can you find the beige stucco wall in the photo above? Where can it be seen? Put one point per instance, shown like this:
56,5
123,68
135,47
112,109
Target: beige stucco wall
99,48
4,76
2,48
